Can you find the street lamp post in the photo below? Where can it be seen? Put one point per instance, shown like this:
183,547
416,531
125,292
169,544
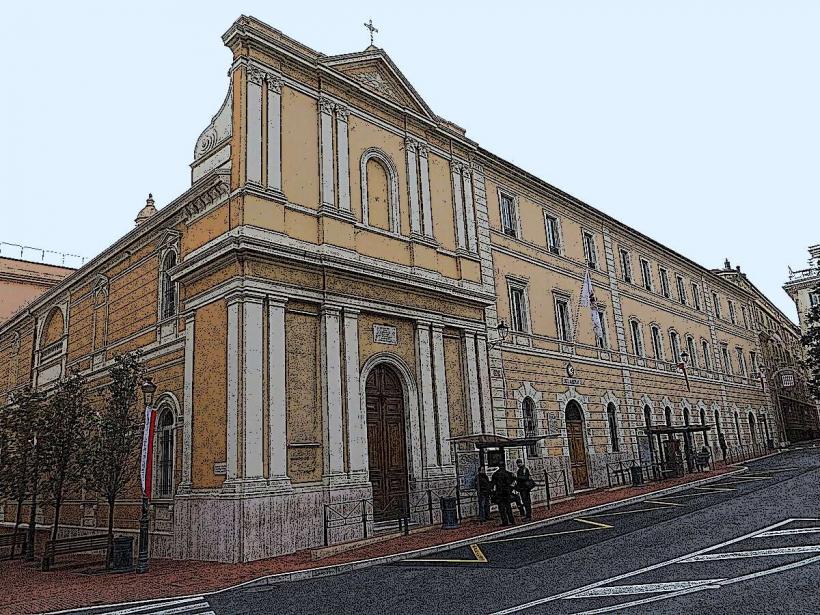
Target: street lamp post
148,390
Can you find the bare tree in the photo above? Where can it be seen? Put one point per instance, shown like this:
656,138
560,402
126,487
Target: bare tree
68,420
116,436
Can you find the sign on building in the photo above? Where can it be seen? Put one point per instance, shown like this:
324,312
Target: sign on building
385,334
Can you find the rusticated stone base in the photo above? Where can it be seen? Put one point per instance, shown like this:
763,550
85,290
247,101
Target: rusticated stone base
242,527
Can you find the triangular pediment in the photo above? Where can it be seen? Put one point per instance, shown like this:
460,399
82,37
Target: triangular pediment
375,71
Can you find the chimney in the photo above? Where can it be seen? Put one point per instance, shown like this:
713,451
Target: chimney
147,211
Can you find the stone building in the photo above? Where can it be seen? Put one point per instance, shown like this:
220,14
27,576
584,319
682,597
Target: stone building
804,286
321,312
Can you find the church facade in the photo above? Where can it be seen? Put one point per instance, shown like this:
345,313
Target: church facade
321,311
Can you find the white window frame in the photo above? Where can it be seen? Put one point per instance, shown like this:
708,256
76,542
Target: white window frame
516,228
732,312
696,296
602,342
716,304
590,249
657,342
727,359
646,275
637,338
680,282
692,349
741,361
674,344
522,286
704,346
663,274
626,265
565,300
558,248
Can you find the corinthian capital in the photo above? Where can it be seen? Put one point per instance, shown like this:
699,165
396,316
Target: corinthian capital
410,144
255,74
342,112
325,105
274,82
423,149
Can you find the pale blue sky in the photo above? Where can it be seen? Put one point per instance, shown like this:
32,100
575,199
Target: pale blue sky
696,122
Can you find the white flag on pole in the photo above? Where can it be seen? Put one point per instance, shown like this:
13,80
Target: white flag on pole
588,300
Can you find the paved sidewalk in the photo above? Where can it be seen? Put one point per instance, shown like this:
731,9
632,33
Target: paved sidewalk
80,582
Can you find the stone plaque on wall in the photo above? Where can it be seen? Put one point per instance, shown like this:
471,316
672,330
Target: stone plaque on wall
385,334
220,468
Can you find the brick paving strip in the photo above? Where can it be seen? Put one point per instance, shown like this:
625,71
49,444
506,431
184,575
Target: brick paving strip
69,585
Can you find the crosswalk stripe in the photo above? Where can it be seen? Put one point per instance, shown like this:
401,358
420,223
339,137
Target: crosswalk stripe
154,605
642,588
184,609
710,557
799,530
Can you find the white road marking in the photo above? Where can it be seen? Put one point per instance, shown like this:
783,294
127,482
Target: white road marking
626,605
665,503
714,489
572,592
154,605
799,530
646,588
711,557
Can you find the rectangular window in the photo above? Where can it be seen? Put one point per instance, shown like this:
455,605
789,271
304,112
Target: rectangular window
626,266
657,344
508,225
518,309
705,346
814,299
681,289
664,282
716,303
695,295
637,341
741,361
727,361
745,313
601,341
753,361
562,321
732,317
693,353
553,233
674,341
589,250
646,274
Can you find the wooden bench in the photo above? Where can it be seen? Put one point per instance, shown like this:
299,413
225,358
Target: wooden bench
12,540
78,544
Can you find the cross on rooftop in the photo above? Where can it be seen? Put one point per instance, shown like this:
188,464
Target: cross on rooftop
369,25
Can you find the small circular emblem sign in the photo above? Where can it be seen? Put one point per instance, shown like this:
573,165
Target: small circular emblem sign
570,370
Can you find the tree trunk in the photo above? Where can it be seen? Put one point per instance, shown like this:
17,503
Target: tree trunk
18,519
56,525
110,552
32,520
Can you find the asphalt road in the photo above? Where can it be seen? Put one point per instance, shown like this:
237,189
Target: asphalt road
747,544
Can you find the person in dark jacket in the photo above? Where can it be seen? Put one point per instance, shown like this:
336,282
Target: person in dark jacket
722,443
524,484
484,489
503,482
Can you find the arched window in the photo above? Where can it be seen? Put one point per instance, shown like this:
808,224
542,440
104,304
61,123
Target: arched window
717,422
168,305
674,341
647,415
613,426
752,427
705,347
693,353
529,425
668,414
165,452
686,416
380,191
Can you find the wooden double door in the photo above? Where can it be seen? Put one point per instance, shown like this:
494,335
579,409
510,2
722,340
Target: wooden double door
577,446
386,441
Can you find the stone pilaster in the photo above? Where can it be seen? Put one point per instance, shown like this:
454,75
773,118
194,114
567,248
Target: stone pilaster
188,406
458,205
342,158
253,121
277,395
274,108
356,414
328,199
427,399
442,406
424,176
472,388
410,146
332,394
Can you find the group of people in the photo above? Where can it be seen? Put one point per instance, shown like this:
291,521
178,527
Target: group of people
503,489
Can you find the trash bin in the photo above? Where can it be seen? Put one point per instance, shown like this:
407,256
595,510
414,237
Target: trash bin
637,475
122,557
449,513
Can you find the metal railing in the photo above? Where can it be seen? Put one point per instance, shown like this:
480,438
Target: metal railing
551,479
29,253
744,452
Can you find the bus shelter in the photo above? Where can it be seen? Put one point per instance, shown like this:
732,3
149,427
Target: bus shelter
668,453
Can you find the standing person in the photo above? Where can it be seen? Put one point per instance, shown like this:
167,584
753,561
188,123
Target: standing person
484,489
502,482
524,484
722,442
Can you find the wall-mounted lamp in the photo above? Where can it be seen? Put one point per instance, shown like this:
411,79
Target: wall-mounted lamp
502,329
